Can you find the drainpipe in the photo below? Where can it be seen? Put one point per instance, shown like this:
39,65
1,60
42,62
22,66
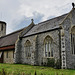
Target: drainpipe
60,46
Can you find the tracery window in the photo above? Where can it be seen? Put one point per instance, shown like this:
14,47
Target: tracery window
48,47
73,40
27,49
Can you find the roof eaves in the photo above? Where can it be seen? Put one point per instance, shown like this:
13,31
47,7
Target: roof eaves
43,31
12,33
7,45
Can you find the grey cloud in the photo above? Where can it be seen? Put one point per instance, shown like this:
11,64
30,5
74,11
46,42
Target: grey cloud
25,21
19,12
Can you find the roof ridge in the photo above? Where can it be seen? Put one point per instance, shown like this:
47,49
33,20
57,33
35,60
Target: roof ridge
53,18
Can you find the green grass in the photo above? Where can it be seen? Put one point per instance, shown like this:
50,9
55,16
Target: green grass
20,68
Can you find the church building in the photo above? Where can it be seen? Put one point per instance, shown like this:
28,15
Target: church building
36,43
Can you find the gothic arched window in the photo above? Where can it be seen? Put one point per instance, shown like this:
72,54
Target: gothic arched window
27,49
73,40
48,47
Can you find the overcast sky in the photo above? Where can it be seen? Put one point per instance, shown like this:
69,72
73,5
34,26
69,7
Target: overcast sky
18,13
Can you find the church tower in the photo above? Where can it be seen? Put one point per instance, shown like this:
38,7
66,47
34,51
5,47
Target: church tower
2,28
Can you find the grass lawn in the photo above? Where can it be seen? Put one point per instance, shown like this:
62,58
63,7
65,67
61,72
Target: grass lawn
20,68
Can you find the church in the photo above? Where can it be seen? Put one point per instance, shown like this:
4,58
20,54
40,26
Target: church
36,43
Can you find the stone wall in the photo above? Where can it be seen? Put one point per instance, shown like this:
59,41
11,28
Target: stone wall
10,58
37,45
67,25
18,52
37,48
2,29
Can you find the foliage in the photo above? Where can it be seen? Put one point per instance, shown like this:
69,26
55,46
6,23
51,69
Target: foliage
3,72
50,62
57,64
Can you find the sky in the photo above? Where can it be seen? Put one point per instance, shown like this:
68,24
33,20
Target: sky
18,13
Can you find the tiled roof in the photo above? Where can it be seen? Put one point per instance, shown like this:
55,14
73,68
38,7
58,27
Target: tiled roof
46,25
9,39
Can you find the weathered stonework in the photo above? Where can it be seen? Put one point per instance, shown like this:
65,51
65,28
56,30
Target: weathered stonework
67,24
37,48
18,52
2,28
10,58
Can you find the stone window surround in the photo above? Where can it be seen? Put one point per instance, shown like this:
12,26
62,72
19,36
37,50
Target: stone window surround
27,49
73,40
47,47
73,43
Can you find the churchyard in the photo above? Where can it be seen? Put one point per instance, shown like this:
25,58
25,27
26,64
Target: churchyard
22,69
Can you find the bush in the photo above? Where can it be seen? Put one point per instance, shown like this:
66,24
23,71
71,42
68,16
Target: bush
50,62
57,64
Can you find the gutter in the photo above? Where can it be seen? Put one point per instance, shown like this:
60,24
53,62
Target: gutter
7,48
42,32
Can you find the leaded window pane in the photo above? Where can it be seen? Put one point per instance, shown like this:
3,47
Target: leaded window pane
46,49
27,49
74,44
73,40
48,42
49,50
51,53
